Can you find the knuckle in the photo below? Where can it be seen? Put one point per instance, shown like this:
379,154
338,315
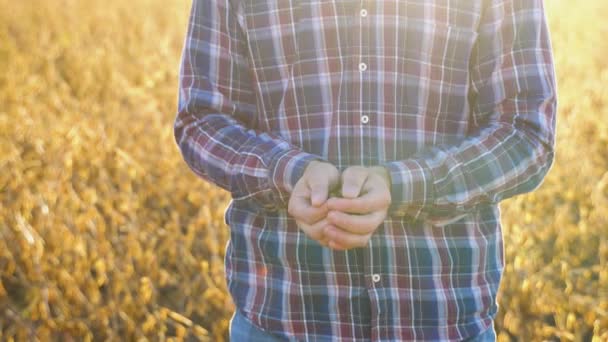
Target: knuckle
348,172
362,172
355,171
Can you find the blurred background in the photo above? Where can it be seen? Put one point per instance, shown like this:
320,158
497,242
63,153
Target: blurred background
105,234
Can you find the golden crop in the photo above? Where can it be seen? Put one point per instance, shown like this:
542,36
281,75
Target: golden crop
106,234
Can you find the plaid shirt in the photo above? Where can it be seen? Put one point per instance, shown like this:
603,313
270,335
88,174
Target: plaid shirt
457,98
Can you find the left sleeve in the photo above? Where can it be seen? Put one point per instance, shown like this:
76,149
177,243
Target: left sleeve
511,147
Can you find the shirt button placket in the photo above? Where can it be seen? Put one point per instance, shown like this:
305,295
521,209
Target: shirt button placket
363,14
362,65
375,278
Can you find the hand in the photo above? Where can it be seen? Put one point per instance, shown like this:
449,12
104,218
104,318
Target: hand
307,203
363,207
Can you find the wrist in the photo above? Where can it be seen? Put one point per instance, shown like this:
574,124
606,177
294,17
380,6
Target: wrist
285,170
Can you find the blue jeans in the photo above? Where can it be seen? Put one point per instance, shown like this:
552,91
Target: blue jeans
242,330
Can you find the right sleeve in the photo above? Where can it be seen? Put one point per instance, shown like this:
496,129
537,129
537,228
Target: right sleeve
217,112
512,146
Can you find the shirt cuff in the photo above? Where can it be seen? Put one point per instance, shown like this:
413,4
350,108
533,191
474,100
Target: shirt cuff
285,170
411,187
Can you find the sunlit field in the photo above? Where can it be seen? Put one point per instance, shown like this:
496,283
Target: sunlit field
105,234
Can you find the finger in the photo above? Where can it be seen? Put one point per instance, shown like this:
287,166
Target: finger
319,189
376,182
353,179
335,245
323,238
299,206
303,211
347,205
371,201
331,243
314,231
324,241
327,242
356,224
344,239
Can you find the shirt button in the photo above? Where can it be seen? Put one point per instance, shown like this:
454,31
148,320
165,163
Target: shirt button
364,119
362,66
363,12
376,278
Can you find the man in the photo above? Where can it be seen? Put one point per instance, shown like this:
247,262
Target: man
366,145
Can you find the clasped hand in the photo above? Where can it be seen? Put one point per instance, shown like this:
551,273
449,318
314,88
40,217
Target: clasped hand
346,221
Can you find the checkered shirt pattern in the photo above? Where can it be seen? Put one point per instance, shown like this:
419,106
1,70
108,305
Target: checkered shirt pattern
456,98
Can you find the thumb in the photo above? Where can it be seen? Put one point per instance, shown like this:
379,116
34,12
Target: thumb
352,182
318,193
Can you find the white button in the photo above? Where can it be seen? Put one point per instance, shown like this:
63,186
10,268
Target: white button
363,12
362,66
376,278
364,119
